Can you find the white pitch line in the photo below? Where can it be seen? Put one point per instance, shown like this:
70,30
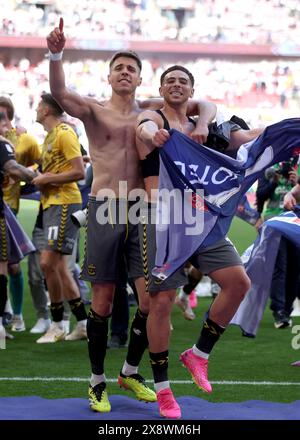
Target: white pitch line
179,382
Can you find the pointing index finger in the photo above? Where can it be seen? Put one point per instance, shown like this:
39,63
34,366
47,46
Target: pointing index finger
61,25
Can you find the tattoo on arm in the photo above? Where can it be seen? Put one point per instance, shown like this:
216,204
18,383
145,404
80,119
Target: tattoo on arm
14,169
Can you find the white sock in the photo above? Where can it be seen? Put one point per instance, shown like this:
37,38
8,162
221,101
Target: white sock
200,353
128,370
58,324
161,386
66,325
19,316
82,323
8,308
183,296
97,378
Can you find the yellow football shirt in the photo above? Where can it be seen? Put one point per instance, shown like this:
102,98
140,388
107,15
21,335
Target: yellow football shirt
60,146
27,153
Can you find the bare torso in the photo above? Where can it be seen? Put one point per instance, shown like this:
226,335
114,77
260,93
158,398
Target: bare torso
111,135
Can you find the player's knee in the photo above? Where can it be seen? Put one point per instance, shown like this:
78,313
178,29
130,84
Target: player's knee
242,286
47,266
102,307
162,306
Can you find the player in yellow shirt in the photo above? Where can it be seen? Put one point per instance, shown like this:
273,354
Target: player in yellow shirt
27,153
62,166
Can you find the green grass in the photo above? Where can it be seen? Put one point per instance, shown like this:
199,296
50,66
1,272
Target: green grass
242,234
235,358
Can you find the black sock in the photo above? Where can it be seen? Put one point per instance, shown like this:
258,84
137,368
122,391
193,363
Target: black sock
138,341
3,293
159,363
57,311
210,334
190,286
77,308
97,331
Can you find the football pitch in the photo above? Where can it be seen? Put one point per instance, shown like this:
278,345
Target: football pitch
240,368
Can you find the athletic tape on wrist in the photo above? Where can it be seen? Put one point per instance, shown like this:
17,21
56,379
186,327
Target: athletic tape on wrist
55,56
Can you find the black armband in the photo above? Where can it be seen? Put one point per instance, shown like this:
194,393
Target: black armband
144,120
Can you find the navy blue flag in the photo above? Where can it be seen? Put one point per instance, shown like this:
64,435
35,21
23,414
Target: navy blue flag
259,262
211,185
19,243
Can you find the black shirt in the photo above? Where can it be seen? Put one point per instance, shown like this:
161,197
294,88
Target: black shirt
218,139
6,154
150,165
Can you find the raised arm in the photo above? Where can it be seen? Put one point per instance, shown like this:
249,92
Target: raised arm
74,104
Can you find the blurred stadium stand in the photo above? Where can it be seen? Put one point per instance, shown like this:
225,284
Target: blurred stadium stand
244,55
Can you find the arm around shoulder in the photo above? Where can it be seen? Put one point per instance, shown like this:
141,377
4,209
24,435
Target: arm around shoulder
206,112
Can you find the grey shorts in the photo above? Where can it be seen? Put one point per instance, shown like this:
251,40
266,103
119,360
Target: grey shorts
59,230
4,242
38,239
147,233
218,256
109,243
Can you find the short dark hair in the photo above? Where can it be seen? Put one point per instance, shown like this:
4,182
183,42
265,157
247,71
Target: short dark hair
127,54
7,103
48,99
176,67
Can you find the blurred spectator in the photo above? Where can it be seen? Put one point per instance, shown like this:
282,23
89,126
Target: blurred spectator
266,91
272,187
206,21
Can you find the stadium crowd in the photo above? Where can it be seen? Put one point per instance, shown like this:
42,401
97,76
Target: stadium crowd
202,21
265,91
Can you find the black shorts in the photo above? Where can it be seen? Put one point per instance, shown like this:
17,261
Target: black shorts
147,233
110,238
218,256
